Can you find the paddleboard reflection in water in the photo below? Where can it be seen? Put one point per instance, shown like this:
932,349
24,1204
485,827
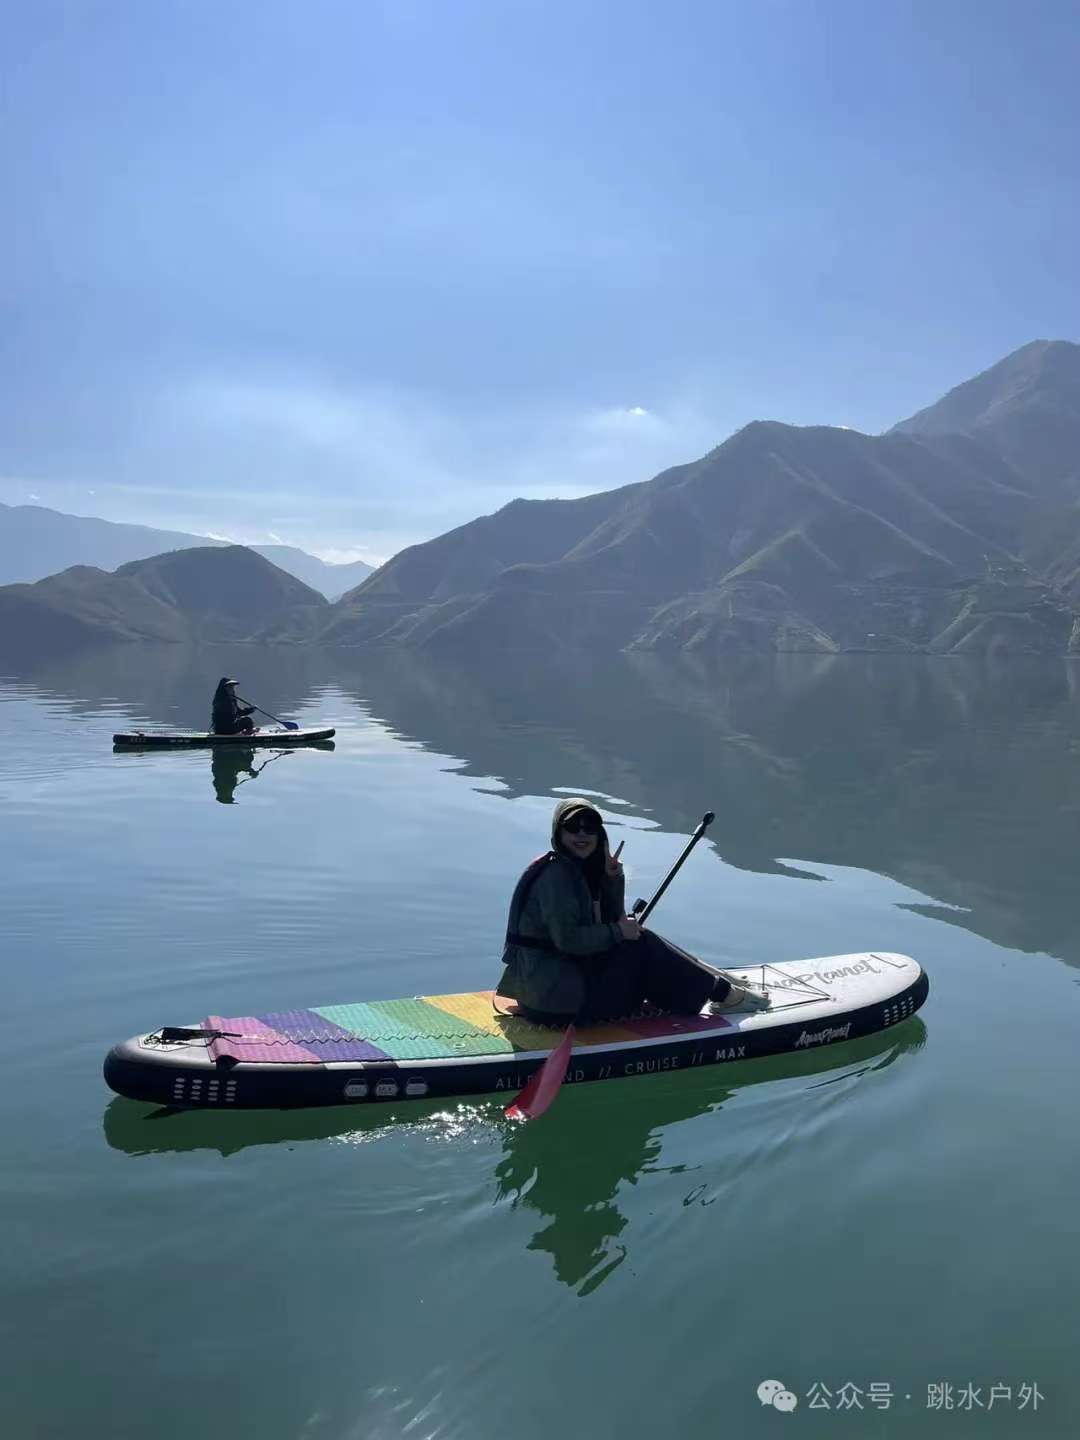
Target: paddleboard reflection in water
581,1225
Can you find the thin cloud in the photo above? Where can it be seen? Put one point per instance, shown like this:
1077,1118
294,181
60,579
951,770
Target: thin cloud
334,555
365,470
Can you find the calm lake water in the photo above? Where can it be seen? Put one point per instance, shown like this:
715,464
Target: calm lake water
901,1212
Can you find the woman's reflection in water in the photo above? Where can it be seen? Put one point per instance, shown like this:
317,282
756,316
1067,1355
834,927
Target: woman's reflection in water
228,763
570,1171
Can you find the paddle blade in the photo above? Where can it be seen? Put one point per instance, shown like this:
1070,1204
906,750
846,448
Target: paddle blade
541,1090
290,725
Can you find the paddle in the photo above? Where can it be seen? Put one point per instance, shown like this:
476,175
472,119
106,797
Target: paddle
289,724
641,910
544,1085
254,773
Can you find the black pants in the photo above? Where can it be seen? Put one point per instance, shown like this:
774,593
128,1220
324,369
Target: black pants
243,726
620,981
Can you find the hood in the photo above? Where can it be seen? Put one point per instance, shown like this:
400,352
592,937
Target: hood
564,809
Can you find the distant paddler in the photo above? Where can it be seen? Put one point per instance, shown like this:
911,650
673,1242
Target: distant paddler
228,716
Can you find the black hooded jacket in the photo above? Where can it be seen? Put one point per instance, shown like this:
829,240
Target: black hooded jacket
559,912
227,712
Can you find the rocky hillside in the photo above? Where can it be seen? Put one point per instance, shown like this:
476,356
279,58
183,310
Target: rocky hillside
956,532
1025,409
36,542
782,538
213,594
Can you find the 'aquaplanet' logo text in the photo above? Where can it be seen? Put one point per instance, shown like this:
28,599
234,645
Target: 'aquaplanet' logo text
825,1036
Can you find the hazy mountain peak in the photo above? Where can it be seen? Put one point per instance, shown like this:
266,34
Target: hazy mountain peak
784,536
1044,373
1024,410
36,542
212,593
232,576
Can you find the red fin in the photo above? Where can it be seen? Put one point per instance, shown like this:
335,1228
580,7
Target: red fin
542,1088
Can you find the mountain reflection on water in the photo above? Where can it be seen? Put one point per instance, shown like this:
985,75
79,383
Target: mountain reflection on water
569,1174
956,778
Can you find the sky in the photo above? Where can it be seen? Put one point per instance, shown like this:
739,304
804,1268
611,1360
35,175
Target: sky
347,275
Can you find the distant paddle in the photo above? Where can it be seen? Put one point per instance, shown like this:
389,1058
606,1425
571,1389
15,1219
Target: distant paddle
544,1085
289,724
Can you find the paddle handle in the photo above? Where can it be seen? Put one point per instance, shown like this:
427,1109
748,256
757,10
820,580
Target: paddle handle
643,914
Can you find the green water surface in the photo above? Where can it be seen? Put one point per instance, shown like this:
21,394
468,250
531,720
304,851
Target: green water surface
900,1212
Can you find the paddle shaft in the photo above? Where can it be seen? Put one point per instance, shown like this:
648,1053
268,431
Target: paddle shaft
289,724
706,821
254,773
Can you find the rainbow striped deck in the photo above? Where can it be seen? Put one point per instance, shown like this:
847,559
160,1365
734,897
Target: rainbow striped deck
442,1045
429,1027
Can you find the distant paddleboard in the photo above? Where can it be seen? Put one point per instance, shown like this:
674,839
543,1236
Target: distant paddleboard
442,1045
189,739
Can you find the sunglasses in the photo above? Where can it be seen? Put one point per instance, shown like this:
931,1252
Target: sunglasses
582,825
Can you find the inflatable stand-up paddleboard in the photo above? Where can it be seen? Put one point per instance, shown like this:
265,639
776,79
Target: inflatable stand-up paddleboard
188,739
475,1043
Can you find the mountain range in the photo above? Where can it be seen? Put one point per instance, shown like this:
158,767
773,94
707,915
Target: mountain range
958,531
36,542
220,593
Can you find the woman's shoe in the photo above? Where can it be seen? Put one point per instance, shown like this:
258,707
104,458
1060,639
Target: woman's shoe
743,995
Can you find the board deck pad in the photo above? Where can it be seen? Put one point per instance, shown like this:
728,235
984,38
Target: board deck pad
430,1027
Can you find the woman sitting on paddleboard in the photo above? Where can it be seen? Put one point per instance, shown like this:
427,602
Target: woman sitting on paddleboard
229,717
573,954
